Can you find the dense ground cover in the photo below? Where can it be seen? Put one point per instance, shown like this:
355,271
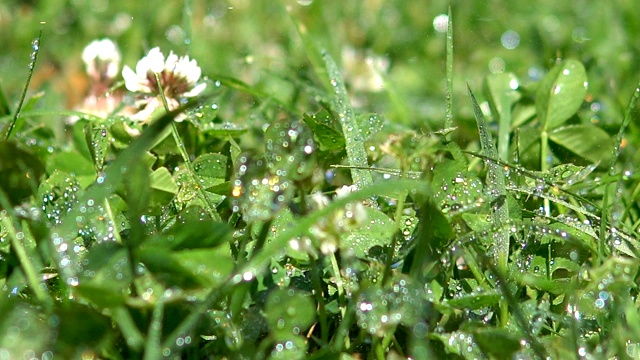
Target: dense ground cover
363,179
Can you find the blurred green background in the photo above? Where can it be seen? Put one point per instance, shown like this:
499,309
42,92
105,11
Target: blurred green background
256,41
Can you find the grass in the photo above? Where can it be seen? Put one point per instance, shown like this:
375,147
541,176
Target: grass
493,215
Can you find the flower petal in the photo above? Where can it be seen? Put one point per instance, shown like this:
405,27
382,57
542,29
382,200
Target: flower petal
196,90
131,79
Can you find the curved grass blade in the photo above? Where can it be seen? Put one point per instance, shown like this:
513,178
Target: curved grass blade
354,140
449,95
496,186
35,45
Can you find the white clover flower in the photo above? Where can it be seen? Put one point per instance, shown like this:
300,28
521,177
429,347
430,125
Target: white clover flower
178,76
102,60
102,64
345,190
364,72
319,200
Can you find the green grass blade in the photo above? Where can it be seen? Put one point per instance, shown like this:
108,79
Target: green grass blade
32,64
354,140
612,170
496,187
449,96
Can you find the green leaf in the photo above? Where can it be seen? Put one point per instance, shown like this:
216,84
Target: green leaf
431,234
500,343
501,91
475,301
213,266
160,179
72,163
587,141
167,268
378,230
97,139
324,133
21,172
192,235
289,312
107,275
561,93
211,169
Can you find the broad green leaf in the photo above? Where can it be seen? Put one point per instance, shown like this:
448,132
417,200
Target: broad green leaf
587,141
498,342
561,93
21,172
293,347
80,326
211,169
193,234
324,131
167,268
72,163
212,266
501,91
107,275
160,179
377,230
542,282
289,312
80,139
431,234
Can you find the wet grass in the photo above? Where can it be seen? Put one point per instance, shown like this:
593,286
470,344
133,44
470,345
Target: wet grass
365,180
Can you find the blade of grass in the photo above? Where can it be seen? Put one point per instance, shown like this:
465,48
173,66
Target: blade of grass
327,72
152,350
449,96
496,186
615,153
32,64
354,142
